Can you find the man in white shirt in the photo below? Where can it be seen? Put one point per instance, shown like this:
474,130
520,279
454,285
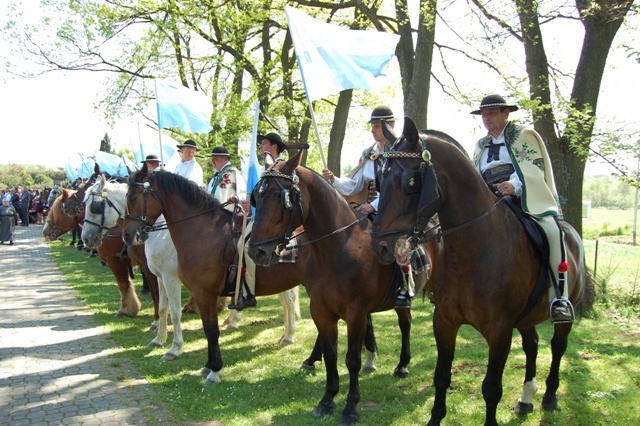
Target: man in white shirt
362,177
189,167
227,183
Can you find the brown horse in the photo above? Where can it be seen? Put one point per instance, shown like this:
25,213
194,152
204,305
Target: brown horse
201,231
58,223
343,277
488,272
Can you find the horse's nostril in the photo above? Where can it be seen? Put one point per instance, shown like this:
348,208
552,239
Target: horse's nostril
382,244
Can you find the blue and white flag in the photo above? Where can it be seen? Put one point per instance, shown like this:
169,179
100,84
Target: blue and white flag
71,172
252,171
333,58
126,166
109,163
181,107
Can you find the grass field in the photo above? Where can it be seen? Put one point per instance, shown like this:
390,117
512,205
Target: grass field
262,385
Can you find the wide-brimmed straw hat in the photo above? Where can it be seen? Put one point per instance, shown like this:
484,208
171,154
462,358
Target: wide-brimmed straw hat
188,144
493,101
274,138
381,113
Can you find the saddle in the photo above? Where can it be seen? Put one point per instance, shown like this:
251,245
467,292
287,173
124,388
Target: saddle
540,243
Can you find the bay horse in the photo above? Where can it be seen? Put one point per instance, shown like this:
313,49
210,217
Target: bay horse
487,274
343,277
200,228
58,224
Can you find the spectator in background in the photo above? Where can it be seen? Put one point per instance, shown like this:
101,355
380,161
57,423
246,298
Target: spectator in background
8,220
25,203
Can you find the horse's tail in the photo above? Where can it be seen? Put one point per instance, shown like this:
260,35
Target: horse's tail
296,301
588,296
369,337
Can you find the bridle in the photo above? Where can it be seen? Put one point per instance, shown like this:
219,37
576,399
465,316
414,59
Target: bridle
145,226
98,207
412,182
289,199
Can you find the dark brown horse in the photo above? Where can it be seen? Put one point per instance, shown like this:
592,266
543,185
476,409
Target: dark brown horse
201,231
58,223
343,277
488,270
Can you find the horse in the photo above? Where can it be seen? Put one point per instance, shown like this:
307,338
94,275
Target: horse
203,259
58,223
487,274
105,204
343,277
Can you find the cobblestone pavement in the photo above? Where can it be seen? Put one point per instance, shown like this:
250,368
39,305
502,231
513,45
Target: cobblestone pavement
55,365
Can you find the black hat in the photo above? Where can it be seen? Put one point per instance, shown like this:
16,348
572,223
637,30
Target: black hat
188,144
220,151
151,157
494,101
381,113
274,138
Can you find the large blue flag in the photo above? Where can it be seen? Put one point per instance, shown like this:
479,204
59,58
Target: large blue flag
71,172
110,163
181,107
333,58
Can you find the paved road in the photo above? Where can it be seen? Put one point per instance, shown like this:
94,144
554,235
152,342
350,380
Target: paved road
55,361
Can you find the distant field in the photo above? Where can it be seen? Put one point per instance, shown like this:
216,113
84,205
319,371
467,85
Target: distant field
612,225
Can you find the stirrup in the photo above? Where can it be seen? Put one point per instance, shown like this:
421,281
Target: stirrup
561,311
402,300
244,302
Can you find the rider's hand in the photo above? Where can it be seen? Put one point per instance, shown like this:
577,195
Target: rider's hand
234,199
328,175
365,208
505,188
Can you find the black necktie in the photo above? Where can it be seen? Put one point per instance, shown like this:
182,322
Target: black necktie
494,151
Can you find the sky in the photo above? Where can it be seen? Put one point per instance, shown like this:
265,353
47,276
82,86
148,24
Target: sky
52,117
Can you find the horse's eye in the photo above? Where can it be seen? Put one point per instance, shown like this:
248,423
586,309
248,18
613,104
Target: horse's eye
133,199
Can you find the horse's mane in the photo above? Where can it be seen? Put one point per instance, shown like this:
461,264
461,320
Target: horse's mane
172,184
445,137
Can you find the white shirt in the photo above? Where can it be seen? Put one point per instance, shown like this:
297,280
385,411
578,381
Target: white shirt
191,170
505,158
351,186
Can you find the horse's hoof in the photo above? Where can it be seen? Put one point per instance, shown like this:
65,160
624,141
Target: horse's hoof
522,409
306,366
401,373
349,419
153,344
230,329
549,403
122,314
212,379
153,327
211,382
284,341
324,409
170,357
369,369
205,372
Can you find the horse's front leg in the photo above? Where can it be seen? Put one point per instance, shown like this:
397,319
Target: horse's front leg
356,329
209,314
530,387
404,321
499,341
445,334
328,335
558,348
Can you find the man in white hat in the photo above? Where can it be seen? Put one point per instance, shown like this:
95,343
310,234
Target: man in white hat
189,167
513,160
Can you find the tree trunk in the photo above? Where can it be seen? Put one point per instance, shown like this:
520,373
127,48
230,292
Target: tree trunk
338,129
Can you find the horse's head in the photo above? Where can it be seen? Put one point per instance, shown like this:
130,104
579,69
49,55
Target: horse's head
58,223
101,213
143,206
74,205
279,211
409,192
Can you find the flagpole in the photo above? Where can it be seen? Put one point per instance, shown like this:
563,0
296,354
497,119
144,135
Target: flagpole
315,127
155,82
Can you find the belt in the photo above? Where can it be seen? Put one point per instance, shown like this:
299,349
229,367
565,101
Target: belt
498,174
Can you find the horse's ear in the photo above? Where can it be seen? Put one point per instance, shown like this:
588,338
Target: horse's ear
129,172
387,131
292,163
65,194
96,169
410,132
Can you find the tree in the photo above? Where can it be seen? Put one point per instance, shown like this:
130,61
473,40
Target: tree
105,144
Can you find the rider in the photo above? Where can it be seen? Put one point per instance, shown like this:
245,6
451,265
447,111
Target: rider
362,177
513,160
189,167
152,162
271,146
227,183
